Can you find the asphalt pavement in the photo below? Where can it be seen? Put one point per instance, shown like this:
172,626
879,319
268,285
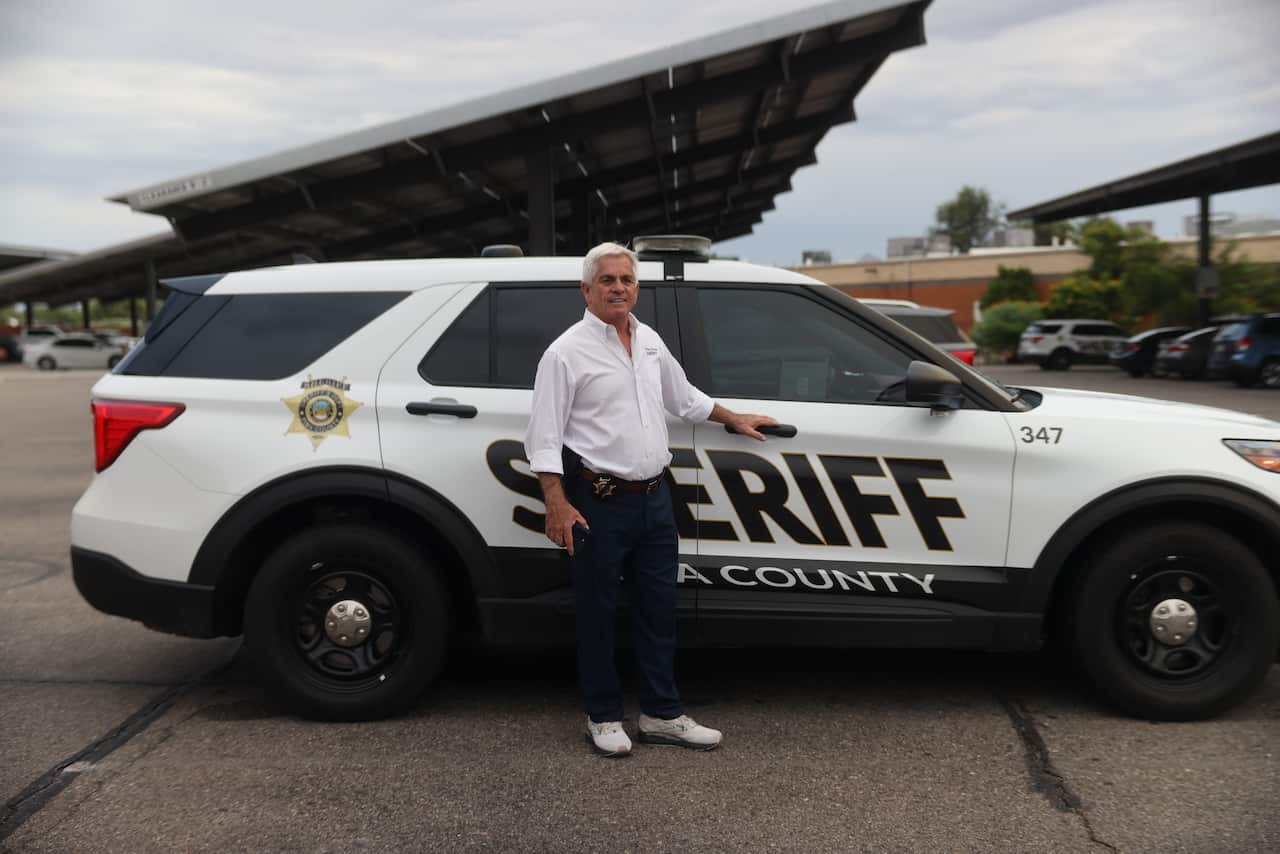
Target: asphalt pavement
117,738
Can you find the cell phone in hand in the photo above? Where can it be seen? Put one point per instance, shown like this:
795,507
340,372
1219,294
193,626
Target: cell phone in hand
581,535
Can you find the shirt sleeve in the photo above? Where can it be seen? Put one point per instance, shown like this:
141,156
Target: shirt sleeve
552,401
679,396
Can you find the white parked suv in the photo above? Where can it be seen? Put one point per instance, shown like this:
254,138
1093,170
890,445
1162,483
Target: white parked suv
327,458
1056,345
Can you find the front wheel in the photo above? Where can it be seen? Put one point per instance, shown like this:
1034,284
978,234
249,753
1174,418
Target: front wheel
1175,621
347,622
46,363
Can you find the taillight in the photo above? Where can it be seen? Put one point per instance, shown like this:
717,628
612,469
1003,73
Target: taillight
1177,348
1129,346
1243,344
1035,339
965,356
116,422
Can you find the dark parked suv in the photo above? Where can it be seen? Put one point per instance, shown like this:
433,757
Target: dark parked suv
1138,354
1249,351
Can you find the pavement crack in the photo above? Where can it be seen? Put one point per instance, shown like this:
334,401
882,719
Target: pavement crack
48,785
1045,778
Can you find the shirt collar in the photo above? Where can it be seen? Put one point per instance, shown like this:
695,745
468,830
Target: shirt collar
603,328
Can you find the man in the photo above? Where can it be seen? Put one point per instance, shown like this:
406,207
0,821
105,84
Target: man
598,411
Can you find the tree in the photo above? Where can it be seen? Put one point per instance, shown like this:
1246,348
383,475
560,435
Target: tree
1010,283
1081,295
968,218
1002,325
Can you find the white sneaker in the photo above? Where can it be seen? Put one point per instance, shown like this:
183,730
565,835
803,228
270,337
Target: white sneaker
608,738
683,731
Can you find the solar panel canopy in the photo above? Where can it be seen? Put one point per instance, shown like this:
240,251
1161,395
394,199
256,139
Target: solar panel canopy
699,138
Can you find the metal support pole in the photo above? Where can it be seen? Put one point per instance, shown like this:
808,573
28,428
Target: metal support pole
1206,276
540,169
31,314
133,317
84,312
580,225
149,277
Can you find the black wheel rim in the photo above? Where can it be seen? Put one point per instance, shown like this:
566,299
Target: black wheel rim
357,667
1217,617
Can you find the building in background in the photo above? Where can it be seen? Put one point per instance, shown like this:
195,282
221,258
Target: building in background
1226,224
957,282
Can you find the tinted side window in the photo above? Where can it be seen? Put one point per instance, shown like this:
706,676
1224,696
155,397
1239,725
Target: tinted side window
1044,328
264,336
74,343
461,356
1269,326
935,328
499,339
776,345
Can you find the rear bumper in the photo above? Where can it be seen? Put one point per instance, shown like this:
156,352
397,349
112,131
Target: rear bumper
170,606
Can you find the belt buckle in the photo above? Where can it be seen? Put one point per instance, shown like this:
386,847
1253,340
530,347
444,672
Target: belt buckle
603,486
652,485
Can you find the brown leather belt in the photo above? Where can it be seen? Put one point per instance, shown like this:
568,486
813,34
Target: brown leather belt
604,485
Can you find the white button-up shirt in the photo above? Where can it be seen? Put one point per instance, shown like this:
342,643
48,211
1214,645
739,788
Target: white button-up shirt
606,406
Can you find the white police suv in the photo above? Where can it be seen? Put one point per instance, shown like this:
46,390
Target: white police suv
327,458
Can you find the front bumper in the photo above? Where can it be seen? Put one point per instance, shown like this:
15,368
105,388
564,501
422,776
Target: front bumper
169,606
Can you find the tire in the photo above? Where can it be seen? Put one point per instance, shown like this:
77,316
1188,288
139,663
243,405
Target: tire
46,363
1244,380
1112,610
1269,375
1059,360
1135,373
311,575
112,362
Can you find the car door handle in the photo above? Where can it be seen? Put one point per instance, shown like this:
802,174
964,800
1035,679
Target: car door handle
782,431
459,410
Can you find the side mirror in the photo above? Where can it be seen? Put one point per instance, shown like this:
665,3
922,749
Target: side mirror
933,385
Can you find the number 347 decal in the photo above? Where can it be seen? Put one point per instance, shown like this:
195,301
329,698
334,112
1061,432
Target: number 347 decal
1048,435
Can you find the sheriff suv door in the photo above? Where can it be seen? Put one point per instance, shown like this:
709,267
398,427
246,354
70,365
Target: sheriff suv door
878,521
453,405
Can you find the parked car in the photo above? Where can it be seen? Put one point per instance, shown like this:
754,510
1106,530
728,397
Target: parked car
1248,352
1187,355
1056,345
1138,354
38,335
935,325
10,349
73,350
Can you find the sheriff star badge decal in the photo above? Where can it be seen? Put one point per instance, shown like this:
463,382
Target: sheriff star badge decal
322,410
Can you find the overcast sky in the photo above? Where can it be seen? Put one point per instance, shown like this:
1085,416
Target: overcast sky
1030,99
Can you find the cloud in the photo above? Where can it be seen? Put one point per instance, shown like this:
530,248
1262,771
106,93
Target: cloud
1031,99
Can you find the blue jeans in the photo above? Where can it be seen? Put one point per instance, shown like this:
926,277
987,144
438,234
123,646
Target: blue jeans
632,547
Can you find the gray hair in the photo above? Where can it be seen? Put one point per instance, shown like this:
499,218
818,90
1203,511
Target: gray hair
605,250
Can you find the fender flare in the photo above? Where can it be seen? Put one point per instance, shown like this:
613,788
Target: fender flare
212,559
1256,509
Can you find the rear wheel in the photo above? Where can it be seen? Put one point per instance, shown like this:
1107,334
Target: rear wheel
346,623
1269,376
1175,621
1059,360
46,363
113,361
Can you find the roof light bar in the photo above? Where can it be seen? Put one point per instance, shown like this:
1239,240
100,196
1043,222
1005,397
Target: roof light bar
655,247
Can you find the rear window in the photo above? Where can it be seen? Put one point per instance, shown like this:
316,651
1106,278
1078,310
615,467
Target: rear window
1043,328
1234,330
250,336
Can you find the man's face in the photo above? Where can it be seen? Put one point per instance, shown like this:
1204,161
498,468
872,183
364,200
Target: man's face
612,293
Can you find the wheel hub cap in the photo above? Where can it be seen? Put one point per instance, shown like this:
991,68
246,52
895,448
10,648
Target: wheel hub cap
347,623
1173,622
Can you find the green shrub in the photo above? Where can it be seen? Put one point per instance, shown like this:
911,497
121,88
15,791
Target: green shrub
1002,325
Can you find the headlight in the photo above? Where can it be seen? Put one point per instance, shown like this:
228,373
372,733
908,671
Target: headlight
1264,455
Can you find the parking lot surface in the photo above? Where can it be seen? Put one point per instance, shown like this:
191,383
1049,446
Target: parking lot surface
117,738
